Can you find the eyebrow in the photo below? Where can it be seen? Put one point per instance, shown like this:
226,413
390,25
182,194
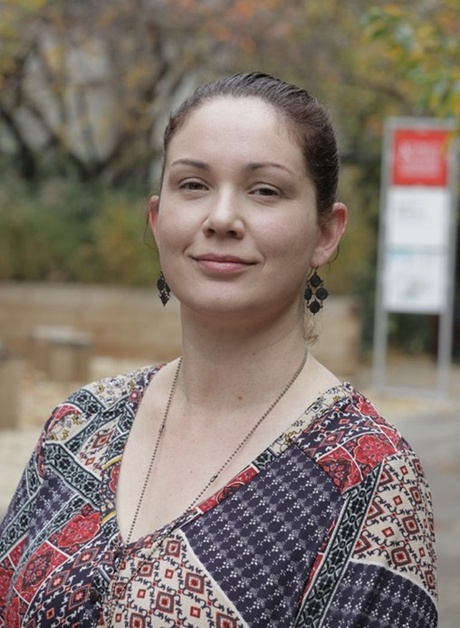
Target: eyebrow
266,164
251,167
195,163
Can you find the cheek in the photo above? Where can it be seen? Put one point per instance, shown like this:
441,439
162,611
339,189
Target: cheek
168,232
296,241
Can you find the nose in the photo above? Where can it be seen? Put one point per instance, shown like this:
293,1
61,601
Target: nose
224,218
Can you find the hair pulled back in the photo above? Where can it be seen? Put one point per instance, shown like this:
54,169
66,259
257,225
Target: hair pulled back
306,119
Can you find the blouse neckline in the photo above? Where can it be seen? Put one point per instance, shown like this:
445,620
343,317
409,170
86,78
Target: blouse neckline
147,543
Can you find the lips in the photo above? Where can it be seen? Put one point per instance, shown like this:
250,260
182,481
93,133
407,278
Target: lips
222,263
223,259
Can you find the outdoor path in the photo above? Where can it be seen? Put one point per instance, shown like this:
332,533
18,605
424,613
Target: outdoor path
431,425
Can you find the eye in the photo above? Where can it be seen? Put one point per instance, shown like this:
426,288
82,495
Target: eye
266,191
192,184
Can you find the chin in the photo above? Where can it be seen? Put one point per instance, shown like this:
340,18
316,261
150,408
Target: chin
218,305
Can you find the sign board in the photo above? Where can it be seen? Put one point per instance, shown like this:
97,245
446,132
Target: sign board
418,207
420,156
418,222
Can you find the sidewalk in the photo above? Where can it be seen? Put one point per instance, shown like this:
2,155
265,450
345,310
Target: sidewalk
431,425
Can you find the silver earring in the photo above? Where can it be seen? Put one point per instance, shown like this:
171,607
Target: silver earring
164,290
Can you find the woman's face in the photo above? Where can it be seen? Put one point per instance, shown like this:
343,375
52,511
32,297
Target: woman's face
236,222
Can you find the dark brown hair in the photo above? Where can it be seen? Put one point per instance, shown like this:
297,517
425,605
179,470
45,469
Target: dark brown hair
306,118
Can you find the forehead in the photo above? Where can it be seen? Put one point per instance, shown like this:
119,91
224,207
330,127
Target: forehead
229,120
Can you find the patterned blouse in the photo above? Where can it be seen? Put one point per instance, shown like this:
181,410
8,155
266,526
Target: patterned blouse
331,526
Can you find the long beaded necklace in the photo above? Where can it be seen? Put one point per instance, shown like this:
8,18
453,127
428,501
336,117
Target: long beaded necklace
214,477
219,471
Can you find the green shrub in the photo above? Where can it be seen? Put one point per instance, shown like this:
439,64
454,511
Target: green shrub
68,231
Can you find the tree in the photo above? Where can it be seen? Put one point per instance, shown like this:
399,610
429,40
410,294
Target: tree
92,80
424,47
96,80
17,39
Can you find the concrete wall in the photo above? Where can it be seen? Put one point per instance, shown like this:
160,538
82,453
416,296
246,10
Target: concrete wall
132,323
123,322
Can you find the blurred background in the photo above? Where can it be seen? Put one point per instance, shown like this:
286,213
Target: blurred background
85,91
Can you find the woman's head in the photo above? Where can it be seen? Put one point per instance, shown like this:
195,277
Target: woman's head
305,118
247,203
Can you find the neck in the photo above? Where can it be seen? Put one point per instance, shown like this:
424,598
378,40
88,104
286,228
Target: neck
223,365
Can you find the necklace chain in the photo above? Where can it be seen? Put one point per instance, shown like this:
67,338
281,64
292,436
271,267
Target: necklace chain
227,461
154,453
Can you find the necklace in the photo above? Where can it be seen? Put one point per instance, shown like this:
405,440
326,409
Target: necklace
111,602
219,471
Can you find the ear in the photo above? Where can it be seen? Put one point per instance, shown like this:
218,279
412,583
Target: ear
331,233
154,203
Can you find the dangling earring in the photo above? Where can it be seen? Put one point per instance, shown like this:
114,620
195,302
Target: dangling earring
315,293
163,289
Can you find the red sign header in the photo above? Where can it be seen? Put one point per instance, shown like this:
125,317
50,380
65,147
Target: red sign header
420,157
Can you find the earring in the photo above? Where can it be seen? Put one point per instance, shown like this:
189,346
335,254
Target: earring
163,289
315,293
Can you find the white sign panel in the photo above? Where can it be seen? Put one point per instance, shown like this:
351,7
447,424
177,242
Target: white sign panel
415,281
418,217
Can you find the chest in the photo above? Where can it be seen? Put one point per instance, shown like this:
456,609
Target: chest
163,476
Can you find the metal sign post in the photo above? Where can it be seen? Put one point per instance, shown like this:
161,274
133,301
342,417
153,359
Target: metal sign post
416,266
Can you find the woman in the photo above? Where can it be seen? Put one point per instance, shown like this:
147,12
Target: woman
242,484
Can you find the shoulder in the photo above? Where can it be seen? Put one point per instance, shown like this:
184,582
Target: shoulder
110,390
102,398
349,438
382,484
